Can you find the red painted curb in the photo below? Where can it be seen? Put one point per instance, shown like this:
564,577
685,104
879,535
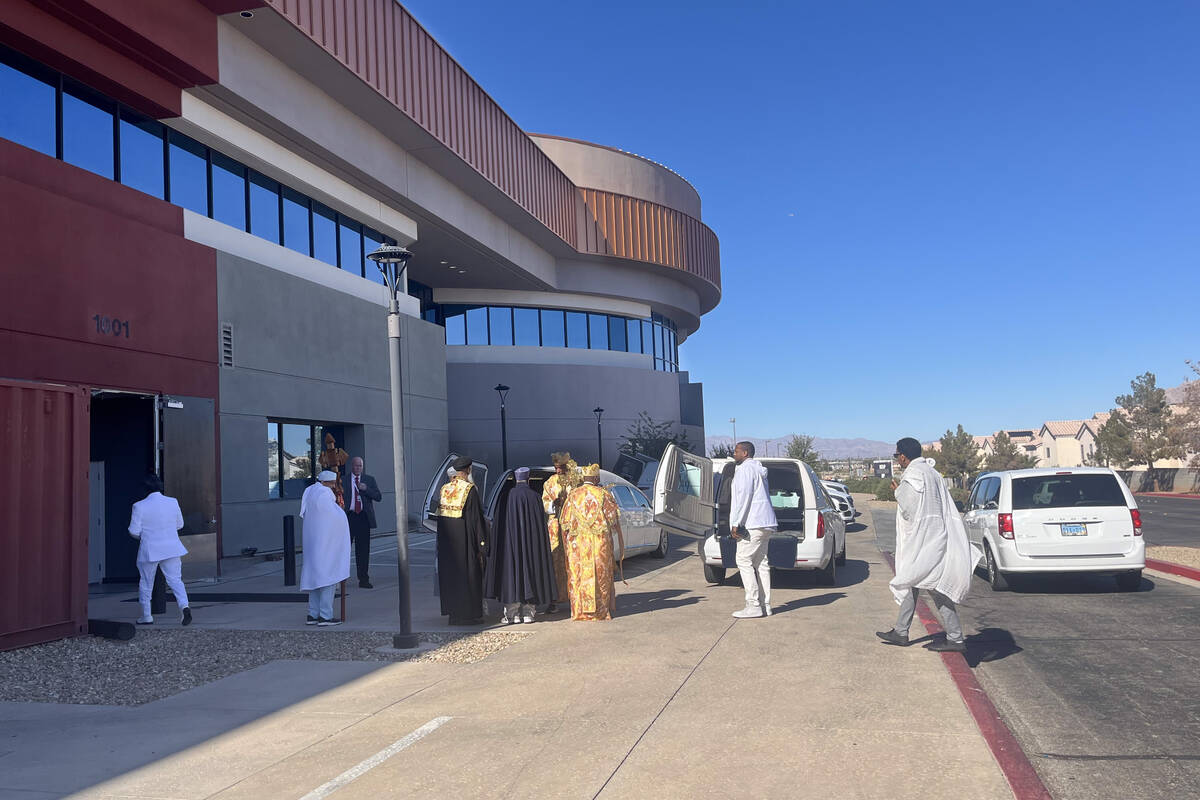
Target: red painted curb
1022,778
1168,494
1173,568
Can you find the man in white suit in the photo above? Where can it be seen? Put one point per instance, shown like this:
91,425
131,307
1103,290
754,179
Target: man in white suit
156,522
326,539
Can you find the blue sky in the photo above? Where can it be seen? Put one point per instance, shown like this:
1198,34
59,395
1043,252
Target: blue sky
930,213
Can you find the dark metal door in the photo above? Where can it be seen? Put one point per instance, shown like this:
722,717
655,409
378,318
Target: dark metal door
189,465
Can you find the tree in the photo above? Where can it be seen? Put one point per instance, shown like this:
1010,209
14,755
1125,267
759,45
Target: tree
721,450
650,438
800,448
1114,444
1148,416
1005,455
1187,431
959,458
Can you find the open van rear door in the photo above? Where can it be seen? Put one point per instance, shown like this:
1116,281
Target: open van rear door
479,473
683,493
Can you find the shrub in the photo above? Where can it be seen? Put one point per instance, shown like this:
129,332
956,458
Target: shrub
885,492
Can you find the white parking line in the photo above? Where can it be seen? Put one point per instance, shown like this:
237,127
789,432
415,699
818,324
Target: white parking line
374,761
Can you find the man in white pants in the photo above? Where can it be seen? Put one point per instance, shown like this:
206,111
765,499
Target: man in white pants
156,522
751,523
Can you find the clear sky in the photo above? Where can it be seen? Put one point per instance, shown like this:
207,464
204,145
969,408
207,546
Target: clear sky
930,213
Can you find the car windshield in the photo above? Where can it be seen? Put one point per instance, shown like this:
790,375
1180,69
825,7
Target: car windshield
1066,491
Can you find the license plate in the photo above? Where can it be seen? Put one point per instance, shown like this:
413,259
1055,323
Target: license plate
1073,530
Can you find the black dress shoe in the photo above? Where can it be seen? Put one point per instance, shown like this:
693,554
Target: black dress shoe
947,646
365,585
187,616
891,637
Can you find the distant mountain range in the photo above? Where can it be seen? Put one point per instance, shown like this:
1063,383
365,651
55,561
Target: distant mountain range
828,448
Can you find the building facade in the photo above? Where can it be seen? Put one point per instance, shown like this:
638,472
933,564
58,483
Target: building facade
191,188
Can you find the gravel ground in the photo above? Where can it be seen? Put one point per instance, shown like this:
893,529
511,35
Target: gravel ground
95,671
1187,556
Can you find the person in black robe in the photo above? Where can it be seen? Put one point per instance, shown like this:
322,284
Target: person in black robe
462,547
520,572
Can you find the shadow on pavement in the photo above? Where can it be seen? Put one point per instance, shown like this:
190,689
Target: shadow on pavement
855,527
805,602
990,644
629,603
1072,583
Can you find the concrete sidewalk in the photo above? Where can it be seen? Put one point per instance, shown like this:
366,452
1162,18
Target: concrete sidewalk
672,699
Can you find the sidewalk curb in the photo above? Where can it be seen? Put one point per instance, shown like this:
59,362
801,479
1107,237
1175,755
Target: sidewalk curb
1172,568
1018,770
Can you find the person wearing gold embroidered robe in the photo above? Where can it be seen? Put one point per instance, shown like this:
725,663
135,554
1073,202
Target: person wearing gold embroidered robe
591,519
462,545
554,492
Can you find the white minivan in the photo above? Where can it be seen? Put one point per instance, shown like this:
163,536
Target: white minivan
1081,519
691,497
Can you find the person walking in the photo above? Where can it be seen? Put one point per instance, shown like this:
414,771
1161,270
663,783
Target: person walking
155,523
462,546
361,493
751,523
520,573
589,519
326,538
932,549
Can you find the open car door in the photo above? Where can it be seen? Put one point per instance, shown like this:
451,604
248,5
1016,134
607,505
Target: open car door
479,473
683,493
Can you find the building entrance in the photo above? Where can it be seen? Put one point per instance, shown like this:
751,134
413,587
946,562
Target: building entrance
124,445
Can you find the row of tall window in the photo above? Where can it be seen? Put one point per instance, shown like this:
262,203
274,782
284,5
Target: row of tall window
49,112
293,450
546,327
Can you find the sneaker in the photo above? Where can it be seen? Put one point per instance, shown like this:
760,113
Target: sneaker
552,608
311,620
505,620
749,612
325,623
947,646
891,637
186,619
766,610
145,621
528,618
366,585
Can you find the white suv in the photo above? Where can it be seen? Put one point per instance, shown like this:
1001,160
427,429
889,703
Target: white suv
841,494
1082,519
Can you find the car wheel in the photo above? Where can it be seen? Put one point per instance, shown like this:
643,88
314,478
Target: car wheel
715,575
828,576
661,550
841,557
1129,581
995,578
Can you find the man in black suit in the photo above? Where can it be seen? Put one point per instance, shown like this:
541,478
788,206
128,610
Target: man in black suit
361,493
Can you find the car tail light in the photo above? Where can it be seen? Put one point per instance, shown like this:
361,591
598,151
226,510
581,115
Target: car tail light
1006,526
1136,516
820,526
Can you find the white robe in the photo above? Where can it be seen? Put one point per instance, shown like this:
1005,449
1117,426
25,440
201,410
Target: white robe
326,538
932,549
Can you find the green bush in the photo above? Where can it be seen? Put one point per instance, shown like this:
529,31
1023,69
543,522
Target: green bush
885,491
866,485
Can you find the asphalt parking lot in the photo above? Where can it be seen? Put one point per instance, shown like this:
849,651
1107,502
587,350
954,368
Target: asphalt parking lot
1102,688
1170,520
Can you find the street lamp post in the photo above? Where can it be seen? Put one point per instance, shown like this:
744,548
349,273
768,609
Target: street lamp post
502,390
733,421
392,261
598,411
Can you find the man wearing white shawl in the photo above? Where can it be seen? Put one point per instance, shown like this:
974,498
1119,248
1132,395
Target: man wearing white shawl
326,537
932,549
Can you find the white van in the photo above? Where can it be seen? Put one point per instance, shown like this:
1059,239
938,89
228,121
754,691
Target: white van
691,497
1082,519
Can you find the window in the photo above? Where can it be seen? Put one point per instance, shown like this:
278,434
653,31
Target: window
991,493
350,243
576,329
1066,491
295,222
616,333
371,242
264,207
87,132
973,500
598,328
456,329
623,497
647,337
477,327
553,328
688,481
229,191
296,459
36,124
189,174
273,486
324,234
500,325
639,499
633,331
142,154
525,327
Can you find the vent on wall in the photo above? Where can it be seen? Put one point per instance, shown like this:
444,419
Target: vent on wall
226,344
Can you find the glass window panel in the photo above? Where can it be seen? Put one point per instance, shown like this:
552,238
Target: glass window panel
264,207
647,337
189,174
616,333
658,364
661,343
272,459
87,134
350,244
598,324
324,223
500,324
553,330
297,459
576,329
525,327
295,221
35,124
142,155
477,329
229,191
633,331
456,329
371,241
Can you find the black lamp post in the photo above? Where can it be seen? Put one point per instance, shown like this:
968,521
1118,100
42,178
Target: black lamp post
599,439
392,261
502,390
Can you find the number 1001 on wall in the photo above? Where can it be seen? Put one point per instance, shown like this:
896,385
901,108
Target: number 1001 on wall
111,326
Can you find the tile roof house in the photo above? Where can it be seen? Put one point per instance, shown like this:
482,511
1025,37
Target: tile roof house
1059,446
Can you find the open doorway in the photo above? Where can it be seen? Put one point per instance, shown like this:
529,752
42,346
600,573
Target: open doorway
124,445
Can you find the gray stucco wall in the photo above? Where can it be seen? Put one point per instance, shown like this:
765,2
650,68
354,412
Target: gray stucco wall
307,353
550,408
